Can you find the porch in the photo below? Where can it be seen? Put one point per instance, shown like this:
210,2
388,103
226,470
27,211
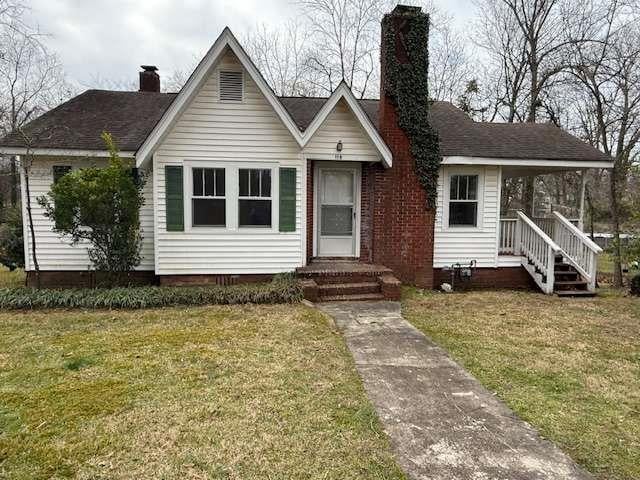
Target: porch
559,256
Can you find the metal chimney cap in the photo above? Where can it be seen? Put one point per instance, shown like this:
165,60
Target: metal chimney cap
149,68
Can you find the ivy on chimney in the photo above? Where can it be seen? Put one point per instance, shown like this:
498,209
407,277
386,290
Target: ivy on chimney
406,53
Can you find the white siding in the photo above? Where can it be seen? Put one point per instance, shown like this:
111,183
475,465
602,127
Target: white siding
455,244
214,133
55,252
341,125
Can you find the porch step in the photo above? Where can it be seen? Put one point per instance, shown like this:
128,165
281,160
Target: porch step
353,298
331,281
351,288
575,293
570,283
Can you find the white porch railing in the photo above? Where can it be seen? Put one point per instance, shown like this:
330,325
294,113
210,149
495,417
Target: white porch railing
577,248
539,240
539,251
507,236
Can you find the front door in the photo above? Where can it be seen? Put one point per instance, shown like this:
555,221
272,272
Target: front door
337,211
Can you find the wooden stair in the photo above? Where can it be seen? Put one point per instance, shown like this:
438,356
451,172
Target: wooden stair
333,281
568,282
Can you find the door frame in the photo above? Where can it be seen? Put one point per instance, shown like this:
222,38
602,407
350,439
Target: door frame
356,167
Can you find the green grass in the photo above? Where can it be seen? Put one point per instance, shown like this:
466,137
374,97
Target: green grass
569,367
242,392
13,279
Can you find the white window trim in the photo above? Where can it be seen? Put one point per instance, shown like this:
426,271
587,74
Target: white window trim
270,198
207,197
446,186
232,196
242,85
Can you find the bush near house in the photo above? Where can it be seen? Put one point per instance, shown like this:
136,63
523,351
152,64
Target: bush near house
280,290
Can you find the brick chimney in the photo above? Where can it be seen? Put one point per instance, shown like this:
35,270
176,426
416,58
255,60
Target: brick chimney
149,79
403,226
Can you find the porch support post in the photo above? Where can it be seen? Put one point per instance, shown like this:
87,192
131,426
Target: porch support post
583,186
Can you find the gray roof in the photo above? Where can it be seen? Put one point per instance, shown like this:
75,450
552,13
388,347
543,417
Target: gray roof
131,116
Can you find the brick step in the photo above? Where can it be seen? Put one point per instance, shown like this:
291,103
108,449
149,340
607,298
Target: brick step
575,293
343,279
350,288
353,298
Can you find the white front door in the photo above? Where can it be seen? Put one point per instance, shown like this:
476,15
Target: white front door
337,194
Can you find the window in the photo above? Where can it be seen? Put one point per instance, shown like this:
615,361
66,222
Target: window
230,86
463,201
60,171
254,203
208,201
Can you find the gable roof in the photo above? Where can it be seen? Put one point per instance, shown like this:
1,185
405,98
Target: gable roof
131,116
344,92
460,136
226,40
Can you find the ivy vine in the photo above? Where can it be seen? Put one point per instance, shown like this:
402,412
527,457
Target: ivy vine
407,87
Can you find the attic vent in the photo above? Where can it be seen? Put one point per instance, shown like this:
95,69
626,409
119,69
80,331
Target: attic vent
230,86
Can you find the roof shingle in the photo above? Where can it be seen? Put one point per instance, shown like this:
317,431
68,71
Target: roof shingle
131,116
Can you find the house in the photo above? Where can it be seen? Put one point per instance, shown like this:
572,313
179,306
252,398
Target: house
243,184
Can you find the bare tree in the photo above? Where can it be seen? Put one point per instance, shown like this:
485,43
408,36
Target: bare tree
346,42
283,57
31,81
533,41
609,73
450,70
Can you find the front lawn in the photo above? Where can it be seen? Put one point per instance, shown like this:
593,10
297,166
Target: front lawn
569,367
242,392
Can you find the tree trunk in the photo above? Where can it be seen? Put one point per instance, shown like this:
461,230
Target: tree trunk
31,229
615,223
13,182
528,193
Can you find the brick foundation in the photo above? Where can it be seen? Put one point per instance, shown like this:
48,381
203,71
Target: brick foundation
513,278
186,280
85,279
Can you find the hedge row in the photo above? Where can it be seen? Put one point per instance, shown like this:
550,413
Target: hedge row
278,291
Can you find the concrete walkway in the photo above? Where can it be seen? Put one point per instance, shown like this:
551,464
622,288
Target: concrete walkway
442,423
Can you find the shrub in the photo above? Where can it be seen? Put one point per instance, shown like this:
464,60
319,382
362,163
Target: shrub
11,239
635,285
100,206
281,290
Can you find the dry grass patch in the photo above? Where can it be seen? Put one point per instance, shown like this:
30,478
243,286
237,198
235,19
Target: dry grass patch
569,367
13,279
223,392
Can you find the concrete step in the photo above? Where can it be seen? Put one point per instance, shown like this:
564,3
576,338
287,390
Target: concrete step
349,288
353,298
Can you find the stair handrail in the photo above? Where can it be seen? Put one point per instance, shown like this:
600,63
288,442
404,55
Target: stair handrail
542,258
585,238
578,249
539,231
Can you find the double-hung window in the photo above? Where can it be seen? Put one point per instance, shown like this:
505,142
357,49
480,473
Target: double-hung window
208,200
254,202
463,201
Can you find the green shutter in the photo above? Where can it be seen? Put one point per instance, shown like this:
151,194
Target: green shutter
175,198
287,199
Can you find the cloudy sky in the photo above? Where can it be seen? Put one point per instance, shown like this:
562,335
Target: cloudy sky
110,39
